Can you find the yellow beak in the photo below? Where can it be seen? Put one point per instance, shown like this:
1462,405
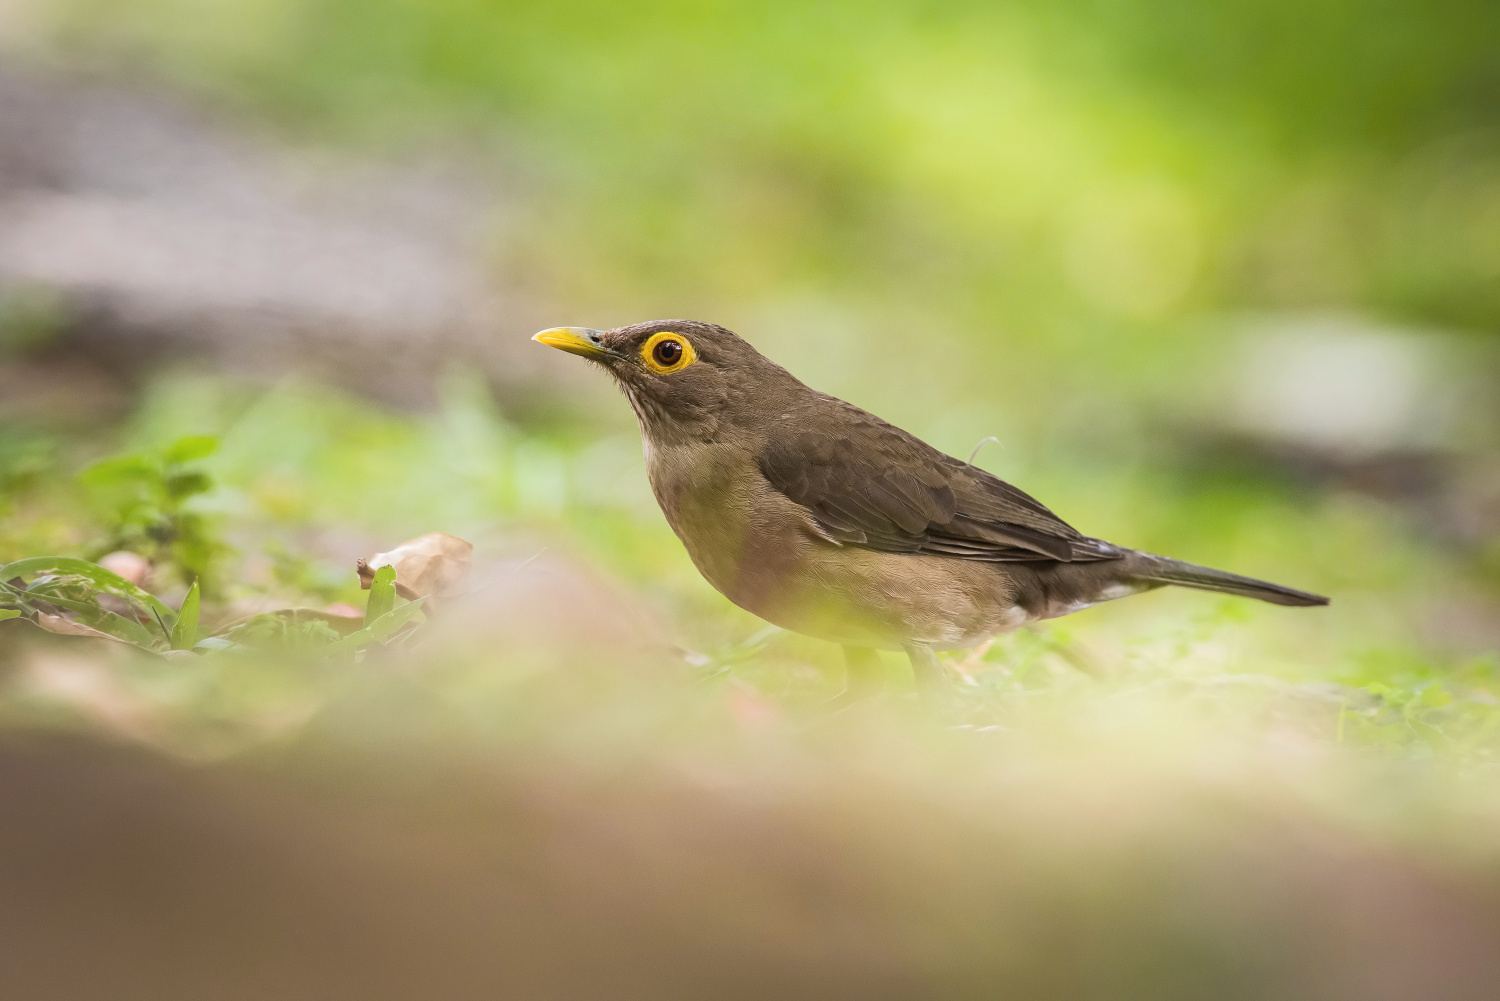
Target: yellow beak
575,340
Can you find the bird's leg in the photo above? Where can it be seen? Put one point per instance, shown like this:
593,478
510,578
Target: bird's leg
931,678
861,676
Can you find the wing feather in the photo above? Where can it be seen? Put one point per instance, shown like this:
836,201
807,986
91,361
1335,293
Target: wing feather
870,484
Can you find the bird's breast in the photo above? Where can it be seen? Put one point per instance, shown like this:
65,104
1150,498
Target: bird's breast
725,513
763,552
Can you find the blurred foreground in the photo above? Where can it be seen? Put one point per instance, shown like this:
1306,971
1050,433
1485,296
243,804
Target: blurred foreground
455,823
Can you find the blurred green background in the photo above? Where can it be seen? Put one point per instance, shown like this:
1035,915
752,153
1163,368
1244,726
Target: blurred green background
1223,281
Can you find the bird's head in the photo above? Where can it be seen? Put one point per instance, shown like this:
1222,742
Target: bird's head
683,377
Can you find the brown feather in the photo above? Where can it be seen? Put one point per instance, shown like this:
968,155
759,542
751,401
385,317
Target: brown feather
868,483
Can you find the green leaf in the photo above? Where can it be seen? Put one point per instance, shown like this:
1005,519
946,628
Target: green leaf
283,630
106,621
94,574
1437,696
343,625
120,471
393,620
185,631
382,594
378,630
192,448
181,486
8,613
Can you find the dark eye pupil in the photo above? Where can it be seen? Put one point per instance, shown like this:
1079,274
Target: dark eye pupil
667,352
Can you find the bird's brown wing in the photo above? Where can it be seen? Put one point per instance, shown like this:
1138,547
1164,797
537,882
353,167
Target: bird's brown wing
870,484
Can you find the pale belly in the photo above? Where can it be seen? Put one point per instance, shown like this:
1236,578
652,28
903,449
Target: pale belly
886,600
770,560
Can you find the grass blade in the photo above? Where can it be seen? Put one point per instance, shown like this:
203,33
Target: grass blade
95,575
393,620
185,631
107,622
382,595
377,630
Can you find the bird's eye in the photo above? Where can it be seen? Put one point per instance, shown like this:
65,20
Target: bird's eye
667,352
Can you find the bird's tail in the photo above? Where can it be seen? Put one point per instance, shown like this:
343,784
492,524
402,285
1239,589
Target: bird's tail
1159,569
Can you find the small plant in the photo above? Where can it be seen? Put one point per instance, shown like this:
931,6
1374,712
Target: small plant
75,597
146,502
66,595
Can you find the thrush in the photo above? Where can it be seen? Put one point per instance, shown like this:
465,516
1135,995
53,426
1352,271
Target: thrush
826,520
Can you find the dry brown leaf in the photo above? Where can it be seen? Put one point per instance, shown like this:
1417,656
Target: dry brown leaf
432,565
69,627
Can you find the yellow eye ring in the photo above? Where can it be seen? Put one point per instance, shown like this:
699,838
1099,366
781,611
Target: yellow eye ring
667,352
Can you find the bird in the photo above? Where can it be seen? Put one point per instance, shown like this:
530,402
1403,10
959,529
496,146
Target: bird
823,519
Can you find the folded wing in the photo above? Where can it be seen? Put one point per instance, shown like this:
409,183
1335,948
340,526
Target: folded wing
868,483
